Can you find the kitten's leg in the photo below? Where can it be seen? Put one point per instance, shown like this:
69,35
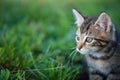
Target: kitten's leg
95,77
113,77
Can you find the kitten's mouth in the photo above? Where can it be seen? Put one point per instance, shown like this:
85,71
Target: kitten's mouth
86,51
77,49
81,51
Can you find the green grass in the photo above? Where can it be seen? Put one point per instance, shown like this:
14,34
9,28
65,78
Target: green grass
37,37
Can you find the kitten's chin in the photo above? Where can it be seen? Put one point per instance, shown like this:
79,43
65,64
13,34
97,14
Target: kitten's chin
87,51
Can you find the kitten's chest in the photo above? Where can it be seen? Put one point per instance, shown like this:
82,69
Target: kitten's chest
102,66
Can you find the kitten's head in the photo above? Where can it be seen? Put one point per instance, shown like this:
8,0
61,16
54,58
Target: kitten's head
93,34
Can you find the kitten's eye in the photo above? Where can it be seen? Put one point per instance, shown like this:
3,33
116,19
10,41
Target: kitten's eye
89,39
77,38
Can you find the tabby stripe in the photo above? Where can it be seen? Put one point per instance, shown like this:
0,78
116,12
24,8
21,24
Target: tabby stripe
98,73
110,49
98,43
105,41
116,71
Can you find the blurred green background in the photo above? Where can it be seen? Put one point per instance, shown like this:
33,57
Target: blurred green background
37,37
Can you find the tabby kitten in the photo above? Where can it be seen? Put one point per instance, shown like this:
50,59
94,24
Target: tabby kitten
98,40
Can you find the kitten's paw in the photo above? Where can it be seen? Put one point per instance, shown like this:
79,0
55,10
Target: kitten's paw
96,77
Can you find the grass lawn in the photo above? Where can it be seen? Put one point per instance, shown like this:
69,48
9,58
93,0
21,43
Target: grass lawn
37,37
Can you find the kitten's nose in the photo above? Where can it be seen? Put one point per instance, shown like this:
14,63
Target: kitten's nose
80,46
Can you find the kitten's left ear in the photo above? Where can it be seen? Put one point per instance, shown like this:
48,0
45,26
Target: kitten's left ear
104,21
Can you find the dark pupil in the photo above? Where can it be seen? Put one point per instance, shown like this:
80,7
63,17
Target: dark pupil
89,39
78,38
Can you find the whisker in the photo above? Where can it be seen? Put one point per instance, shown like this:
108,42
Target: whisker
69,61
74,55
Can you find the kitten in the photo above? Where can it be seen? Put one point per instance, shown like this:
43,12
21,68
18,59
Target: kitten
99,41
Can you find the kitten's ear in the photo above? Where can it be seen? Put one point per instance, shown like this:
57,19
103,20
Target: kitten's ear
79,18
104,22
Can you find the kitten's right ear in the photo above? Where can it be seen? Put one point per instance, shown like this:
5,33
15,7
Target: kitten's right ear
79,18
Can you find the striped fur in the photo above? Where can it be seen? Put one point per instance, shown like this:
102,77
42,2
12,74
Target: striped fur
98,40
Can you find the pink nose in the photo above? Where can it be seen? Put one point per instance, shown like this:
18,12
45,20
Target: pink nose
79,47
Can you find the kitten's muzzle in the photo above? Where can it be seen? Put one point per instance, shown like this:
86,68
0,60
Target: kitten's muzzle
80,45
